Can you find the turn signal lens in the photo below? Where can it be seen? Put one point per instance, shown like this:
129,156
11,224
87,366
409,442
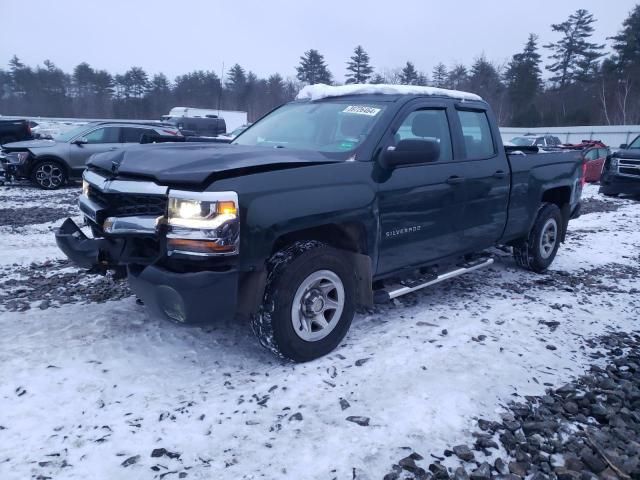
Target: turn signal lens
198,246
227,208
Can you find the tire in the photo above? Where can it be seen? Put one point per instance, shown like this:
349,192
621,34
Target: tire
49,174
536,253
315,278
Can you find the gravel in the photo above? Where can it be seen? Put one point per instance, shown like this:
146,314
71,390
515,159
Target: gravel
586,429
53,283
19,217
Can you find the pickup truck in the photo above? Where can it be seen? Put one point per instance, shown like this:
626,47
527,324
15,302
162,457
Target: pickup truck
621,171
349,195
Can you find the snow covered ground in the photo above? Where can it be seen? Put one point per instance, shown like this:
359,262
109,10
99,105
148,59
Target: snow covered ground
95,389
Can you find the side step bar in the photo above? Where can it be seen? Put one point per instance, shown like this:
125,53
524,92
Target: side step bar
397,290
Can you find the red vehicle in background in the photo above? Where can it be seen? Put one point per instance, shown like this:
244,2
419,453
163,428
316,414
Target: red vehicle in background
594,153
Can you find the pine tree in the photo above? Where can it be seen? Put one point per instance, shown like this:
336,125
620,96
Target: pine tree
626,44
377,79
136,82
313,69
440,75
458,78
574,57
524,82
409,75
358,66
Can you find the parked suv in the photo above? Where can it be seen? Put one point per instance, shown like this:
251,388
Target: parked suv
15,130
350,195
540,141
50,163
209,126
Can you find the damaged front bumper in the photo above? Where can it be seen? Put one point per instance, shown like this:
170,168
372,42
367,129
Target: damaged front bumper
84,251
192,297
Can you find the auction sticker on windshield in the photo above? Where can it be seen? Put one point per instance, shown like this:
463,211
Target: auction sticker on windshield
362,110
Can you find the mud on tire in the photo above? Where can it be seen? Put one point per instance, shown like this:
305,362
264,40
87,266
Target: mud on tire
288,270
537,251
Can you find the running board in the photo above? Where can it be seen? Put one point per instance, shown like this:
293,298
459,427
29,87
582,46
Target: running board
397,290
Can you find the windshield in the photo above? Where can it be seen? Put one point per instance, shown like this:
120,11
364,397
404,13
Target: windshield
328,127
522,141
69,134
635,143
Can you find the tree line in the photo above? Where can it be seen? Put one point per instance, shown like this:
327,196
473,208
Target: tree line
585,84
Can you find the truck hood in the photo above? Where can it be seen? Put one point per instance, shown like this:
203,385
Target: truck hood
633,153
29,144
196,163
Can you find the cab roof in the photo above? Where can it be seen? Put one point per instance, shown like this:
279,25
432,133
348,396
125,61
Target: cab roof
320,91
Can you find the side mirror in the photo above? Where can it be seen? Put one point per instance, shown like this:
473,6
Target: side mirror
623,146
80,141
411,151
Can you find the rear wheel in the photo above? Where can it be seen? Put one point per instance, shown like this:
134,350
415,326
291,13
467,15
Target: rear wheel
537,252
308,303
49,174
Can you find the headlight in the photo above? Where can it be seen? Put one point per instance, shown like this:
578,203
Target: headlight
85,188
17,157
614,162
203,223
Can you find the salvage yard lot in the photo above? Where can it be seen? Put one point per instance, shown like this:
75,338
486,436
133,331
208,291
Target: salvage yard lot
92,387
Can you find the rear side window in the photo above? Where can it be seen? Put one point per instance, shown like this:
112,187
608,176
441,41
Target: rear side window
428,124
478,140
133,135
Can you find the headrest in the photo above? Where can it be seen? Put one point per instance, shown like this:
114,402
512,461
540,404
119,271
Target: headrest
426,124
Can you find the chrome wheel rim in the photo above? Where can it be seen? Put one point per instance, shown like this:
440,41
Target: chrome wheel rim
548,238
317,305
49,175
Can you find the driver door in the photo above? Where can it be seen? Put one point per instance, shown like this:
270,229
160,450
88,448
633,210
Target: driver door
101,139
421,206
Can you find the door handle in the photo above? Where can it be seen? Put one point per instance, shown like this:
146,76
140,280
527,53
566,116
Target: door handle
500,174
454,180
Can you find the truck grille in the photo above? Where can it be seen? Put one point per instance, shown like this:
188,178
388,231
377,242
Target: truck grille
129,204
629,167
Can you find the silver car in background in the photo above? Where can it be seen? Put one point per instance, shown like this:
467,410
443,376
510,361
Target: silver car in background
50,163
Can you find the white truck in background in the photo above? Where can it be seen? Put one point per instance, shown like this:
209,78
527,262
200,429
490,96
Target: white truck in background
232,118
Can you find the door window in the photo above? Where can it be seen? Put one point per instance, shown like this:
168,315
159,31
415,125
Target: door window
591,154
478,140
133,135
427,124
104,135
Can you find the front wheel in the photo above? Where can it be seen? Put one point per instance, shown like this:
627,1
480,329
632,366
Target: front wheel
308,303
49,175
537,252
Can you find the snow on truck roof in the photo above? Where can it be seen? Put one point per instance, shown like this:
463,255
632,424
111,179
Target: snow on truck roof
320,91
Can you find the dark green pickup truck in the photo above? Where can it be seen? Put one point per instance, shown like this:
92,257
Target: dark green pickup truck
347,196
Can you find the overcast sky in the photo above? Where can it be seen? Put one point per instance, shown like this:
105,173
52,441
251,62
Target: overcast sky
269,36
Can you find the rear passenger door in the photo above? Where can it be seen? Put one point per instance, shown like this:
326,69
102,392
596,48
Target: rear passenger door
487,179
420,205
